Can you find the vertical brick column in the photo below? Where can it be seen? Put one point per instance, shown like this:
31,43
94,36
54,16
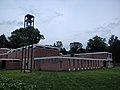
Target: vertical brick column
85,64
78,65
73,64
69,65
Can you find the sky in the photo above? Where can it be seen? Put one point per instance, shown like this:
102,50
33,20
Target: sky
63,20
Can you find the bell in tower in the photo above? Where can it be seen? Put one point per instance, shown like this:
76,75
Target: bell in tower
28,21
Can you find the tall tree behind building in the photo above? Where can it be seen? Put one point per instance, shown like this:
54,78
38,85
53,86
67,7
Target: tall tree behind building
114,45
59,44
4,43
22,37
75,47
97,44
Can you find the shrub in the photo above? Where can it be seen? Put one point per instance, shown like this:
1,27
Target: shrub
10,84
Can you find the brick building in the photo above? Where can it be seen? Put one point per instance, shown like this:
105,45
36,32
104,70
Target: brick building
49,58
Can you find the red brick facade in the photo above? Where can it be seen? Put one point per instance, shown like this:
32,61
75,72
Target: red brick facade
67,63
49,58
98,55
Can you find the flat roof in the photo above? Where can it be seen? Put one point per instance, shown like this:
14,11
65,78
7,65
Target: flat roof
36,45
5,53
5,48
44,46
8,59
60,57
94,53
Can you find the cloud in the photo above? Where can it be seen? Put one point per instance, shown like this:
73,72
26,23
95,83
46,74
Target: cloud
31,11
107,29
58,14
113,25
9,22
48,17
20,23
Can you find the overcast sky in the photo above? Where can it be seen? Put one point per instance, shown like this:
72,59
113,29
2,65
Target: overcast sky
63,20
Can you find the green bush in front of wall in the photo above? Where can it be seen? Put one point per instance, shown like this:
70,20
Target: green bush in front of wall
10,84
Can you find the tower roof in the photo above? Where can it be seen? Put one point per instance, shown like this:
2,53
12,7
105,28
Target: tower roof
28,15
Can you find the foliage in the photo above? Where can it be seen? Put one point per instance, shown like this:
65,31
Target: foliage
82,50
101,79
58,44
75,47
4,43
112,40
10,84
96,44
22,37
115,48
63,51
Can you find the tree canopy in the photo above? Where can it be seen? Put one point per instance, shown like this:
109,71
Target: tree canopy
114,47
22,37
58,44
75,47
96,44
4,43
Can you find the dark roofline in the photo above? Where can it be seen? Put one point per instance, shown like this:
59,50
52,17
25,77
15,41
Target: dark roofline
35,45
73,58
29,15
5,48
94,53
48,47
9,59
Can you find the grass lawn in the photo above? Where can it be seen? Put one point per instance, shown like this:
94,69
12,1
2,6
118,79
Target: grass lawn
102,79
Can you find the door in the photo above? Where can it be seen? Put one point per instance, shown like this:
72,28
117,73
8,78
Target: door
104,63
3,64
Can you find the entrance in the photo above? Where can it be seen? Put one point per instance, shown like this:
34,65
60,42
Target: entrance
3,64
104,63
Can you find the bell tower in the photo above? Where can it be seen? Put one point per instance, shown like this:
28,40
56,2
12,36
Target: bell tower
27,51
28,21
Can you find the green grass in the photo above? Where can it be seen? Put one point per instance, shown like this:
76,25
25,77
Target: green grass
102,79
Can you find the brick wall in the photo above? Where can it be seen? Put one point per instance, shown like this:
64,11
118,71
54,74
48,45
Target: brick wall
37,52
97,55
12,65
3,53
45,52
46,65
61,64
2,50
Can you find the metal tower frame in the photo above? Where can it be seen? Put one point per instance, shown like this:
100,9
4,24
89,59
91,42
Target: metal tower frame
27,51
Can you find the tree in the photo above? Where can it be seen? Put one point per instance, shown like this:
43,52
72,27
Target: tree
96,44
75,47
58,44
112,40
63,51
114,45
54,45
22,37
4,43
